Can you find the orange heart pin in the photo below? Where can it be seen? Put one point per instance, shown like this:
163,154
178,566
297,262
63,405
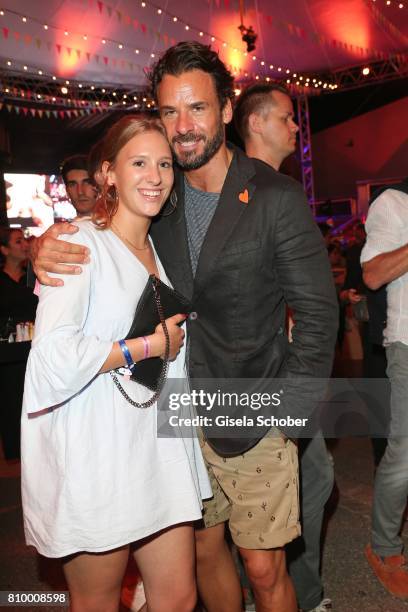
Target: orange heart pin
244,196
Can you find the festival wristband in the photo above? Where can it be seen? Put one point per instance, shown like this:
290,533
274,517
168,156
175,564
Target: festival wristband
126,354
146,345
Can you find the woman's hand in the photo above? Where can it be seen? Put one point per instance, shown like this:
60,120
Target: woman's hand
351,296
176,336
51,255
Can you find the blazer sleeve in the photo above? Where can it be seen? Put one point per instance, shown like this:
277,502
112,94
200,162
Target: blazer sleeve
63,359
305,278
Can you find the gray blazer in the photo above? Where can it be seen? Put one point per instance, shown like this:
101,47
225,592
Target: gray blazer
258,257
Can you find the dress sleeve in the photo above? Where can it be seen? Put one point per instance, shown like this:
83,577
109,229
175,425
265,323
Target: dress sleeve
63,360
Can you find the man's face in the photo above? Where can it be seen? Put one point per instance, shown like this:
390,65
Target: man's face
278,127
81,191
190,111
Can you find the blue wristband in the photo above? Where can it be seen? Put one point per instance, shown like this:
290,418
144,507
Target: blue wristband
126,353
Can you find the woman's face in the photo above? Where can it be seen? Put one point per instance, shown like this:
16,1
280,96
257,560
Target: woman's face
143,174
17,248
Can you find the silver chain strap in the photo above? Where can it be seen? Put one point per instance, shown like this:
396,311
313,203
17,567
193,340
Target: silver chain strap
165,366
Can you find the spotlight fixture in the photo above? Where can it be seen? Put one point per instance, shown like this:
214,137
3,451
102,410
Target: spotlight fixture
248,36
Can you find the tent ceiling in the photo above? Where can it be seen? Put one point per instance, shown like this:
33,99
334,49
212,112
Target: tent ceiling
302,36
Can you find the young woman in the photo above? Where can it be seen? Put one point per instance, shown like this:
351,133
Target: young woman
17,301
95,476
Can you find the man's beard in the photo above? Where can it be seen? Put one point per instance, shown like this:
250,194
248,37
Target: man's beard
192,161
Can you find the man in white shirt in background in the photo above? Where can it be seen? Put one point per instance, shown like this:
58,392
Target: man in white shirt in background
385,262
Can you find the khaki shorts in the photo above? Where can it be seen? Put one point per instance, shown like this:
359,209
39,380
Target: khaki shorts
258,492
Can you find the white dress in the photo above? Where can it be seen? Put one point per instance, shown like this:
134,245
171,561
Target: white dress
95,475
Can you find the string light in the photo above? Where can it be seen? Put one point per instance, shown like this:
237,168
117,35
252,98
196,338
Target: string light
187,27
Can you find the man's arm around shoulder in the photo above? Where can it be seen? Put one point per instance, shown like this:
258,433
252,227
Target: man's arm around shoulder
48,254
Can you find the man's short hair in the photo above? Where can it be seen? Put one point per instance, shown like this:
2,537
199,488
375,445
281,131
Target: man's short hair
254,99
75,162
192,55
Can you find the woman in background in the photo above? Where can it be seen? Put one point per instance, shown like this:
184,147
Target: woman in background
17,301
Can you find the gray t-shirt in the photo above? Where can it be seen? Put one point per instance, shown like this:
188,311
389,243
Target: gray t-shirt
199,209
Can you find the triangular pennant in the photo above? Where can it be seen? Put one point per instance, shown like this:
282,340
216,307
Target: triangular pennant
27,39
143,28
68,112
1,105
78,52
38,42
128,20
109,9
5,32
58,48
40,113
17,109
55,113
17,35
96,58
61,114
25,111
100,7
88,56
105,60
48,113
135,24
119,15
9,107
32,111
130,65
68,50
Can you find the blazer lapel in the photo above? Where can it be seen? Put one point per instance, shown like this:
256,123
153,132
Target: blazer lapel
235,196
179,244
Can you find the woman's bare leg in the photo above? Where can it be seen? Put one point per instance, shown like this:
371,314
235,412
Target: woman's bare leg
94,580
167,565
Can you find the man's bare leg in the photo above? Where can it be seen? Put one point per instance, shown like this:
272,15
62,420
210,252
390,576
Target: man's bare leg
271,585
217,578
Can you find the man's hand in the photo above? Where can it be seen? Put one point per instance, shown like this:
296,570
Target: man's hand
51,255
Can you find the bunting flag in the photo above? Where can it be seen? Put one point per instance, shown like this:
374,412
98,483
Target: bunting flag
56,114
385,23
284,26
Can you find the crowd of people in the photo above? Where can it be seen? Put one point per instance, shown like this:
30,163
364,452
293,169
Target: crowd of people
236,238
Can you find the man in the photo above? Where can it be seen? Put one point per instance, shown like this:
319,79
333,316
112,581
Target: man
240,243
264,119
79,184
385,262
